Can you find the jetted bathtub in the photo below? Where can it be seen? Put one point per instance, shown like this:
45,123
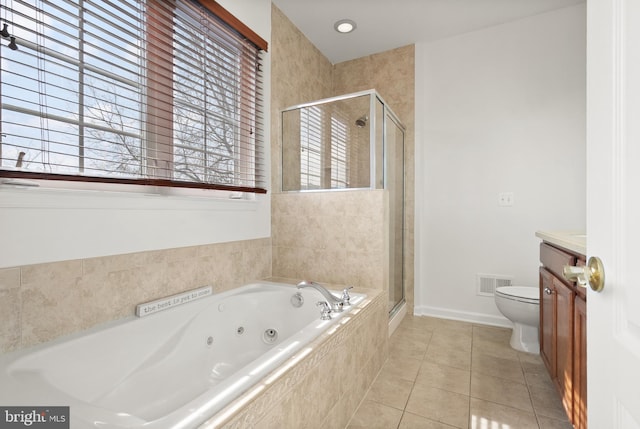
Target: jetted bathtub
172,369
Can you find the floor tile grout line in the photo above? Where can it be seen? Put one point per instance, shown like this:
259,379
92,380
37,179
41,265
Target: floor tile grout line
367,392
404,410
474,338
485,400
470,375
535,413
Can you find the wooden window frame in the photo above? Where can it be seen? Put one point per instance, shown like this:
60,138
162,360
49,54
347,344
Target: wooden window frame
162,123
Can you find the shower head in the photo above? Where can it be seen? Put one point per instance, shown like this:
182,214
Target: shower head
361,122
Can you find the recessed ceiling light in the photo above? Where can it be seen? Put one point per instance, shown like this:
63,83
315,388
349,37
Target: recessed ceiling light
344,26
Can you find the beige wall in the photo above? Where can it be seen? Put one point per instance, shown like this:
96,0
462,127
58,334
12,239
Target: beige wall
299,73
392,74
330,237
302,74
39,303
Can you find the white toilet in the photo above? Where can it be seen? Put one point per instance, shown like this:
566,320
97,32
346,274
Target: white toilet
521,305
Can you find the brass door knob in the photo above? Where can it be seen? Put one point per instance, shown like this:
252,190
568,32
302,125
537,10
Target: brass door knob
596,273
592,273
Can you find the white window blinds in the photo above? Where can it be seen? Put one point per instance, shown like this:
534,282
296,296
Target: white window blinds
311,147
324,157
339,152
155,92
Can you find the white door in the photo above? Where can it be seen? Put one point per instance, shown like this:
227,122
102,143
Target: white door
613,212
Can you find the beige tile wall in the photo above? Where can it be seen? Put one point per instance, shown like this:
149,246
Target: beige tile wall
10,304
300,73
392,74
331,237
39,303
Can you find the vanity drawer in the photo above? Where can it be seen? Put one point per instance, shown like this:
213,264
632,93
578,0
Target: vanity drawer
555,259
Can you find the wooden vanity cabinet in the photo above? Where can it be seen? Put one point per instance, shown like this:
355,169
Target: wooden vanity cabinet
563,330
580,364
547,334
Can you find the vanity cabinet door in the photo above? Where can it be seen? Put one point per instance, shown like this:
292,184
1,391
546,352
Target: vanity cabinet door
564,343
547,321
580,364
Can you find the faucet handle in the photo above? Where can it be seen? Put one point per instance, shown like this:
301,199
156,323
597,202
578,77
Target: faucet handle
325,310
346,297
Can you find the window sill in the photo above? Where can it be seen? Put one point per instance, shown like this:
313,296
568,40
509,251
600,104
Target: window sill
74,195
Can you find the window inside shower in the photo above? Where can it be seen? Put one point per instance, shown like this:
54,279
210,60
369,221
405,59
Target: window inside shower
313,174
327,146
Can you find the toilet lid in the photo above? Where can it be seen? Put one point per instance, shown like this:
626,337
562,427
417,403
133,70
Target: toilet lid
521,293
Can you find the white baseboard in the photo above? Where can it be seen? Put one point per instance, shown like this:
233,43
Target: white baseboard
465,316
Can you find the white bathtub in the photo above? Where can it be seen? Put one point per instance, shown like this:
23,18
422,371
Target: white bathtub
173,369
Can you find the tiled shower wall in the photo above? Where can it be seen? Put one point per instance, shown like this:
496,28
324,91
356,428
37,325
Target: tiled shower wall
392,74
331,237
41,302
300,73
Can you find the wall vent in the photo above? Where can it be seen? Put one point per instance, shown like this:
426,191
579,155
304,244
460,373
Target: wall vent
487,283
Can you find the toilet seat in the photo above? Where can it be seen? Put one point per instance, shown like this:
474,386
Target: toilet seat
526,294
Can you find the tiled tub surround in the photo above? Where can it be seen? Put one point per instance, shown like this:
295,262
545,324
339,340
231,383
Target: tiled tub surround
322,385
39,303
105,375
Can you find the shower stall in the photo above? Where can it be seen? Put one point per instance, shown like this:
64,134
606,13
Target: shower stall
353,141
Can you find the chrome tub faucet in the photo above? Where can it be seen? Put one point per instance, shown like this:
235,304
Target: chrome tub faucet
335,303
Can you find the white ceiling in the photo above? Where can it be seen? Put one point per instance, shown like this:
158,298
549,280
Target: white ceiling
389,24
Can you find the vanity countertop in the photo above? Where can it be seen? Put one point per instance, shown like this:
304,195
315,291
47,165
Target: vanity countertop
572,240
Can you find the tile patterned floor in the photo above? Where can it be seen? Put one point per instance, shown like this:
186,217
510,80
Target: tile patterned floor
444,374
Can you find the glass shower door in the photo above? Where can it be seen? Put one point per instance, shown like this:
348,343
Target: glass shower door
394,182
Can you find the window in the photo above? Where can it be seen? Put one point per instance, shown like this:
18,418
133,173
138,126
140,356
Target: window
311,144
129,91
323,149
339,154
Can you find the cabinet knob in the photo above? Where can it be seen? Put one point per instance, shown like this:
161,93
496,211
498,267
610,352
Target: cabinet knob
592,273
548,291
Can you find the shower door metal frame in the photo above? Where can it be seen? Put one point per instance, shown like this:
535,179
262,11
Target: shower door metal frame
374,173
374,95
387,111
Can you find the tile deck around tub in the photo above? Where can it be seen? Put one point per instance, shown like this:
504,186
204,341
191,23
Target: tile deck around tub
444,374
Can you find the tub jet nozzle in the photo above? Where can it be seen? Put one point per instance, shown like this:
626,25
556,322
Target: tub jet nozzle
270,336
